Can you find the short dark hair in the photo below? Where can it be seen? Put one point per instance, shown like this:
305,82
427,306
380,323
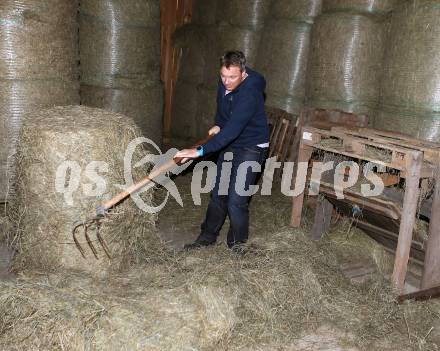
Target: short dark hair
233,58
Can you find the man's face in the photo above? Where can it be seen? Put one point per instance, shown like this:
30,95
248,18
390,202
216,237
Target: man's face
231,77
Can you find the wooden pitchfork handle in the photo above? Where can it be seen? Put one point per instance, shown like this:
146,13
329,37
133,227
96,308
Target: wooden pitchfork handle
101,210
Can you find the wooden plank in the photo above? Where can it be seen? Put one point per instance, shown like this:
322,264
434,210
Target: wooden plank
421,295
414,164
431,272
323,215
304,155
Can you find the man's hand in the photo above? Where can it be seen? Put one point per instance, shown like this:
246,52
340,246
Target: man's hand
186,154
214,130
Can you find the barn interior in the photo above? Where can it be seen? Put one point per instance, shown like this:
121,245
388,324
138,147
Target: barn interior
96,98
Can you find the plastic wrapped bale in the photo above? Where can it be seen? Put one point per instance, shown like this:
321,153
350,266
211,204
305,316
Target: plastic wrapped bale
69,161
300,10
244,13
206,108
120,59
282,60
145,105
205,12
38,66
345,62
120,40
410,100
236,38
365,6
184,112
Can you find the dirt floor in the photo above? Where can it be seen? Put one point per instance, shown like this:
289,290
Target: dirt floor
286,293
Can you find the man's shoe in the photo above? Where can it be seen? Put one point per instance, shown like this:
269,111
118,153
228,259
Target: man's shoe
198,244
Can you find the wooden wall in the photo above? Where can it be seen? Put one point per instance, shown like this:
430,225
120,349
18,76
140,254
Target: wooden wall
174,13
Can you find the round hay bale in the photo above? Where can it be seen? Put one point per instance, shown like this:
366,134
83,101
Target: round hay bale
184,110
410,102
192,63
362,6
244,13
236,38
212,46
301,10
53,194
283,62
120,60
206,108
143,105
345,62
120,39
286,103
205,12
38,66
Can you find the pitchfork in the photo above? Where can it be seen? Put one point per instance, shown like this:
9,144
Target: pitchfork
101,211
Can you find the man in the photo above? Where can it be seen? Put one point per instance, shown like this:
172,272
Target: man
240,134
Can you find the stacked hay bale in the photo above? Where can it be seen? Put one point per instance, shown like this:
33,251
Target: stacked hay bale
348,42
239,26
195,68
284,50
71,159
216,28
410,99
120,60
38,66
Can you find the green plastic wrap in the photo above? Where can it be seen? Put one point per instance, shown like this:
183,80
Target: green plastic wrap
38,67
345,62
119,40
300,10
206,107
244,13
120,60
184,112
282,60
205,12
363,6
410,88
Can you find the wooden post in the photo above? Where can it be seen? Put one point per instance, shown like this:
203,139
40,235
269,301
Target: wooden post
323,215
431,271
297,201
413,166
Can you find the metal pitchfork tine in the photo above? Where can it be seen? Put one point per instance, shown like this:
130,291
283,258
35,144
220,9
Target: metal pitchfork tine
101,211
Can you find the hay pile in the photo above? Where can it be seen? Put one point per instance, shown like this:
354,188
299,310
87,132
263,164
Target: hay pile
409,101
48,203
130,312
38,66
120,60
283,52
283,294
345,61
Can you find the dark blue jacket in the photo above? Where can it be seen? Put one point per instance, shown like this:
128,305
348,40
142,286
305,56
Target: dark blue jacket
240,115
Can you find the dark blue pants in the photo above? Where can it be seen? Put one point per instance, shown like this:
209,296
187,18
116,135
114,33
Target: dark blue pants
227,201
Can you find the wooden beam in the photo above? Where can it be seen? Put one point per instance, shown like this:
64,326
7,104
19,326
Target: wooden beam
413,166
304,154
424,294
431,272
323,215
